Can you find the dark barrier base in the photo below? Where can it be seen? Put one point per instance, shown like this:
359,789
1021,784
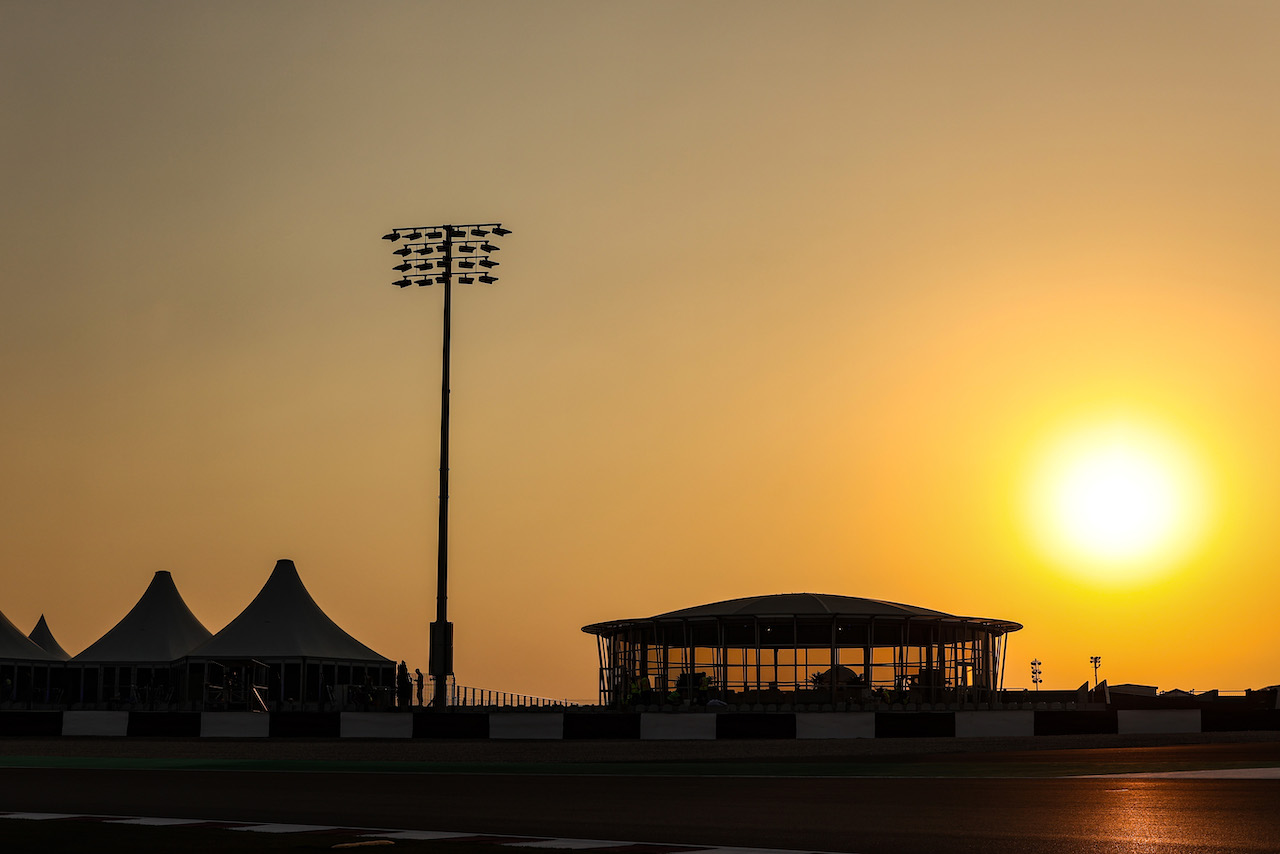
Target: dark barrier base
755,725
15,723
30,723
166,724
450,725
1076,723
305,725
1251,720
915,725
620,725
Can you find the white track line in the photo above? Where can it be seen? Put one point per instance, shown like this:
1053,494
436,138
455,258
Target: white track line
1210,774
492,838
570,843
284,828
416,834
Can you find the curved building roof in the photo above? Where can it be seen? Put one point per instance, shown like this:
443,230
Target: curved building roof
43,638
803,605
15,646
283,621
159,628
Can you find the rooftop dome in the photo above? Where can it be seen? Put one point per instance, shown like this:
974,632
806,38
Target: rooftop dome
805,605
801,604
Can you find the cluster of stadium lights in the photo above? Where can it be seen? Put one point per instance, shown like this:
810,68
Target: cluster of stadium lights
430,255
441,252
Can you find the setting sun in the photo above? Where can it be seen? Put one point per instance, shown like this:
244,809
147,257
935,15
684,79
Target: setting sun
1117,501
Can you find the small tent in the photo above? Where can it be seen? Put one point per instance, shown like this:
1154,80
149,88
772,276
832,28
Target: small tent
139,659
284,648
26,670
42,637
15,646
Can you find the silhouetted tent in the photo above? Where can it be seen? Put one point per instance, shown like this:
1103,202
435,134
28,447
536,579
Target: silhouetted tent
43,638
160,628
786,647
308,658
15,646
138,662
26,671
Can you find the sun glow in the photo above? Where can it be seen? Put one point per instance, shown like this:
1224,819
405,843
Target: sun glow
1117,501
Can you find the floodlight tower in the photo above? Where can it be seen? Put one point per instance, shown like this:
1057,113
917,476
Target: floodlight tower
1095,660
1035,673
435,255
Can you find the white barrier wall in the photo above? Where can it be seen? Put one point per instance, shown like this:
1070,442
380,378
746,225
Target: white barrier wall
234,725
95,723
1158,721
1016,723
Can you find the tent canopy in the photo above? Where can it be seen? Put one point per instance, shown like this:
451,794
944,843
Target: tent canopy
159,628
43,638
284,622
15,646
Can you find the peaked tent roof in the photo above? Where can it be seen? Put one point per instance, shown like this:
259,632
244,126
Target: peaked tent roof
43,638
159,628
283,621
15,646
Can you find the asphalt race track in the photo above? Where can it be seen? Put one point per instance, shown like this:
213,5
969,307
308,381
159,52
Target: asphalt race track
891,814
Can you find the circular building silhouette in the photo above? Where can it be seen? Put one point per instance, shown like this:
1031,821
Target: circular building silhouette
801,648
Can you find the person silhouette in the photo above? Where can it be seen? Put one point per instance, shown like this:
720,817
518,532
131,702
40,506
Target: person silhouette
404,689
419,674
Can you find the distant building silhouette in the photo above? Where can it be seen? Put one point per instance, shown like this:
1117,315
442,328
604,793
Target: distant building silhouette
26,671
288,649
282,651
137,660
800,647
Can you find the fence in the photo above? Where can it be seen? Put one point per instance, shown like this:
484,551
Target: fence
467,696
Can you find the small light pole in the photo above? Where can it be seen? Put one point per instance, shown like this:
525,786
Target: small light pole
1095,660
430,255
1035,673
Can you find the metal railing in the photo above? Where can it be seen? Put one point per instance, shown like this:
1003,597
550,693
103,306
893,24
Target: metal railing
465,695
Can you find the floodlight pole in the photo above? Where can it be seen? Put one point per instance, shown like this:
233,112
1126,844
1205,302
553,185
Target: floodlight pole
441,641
441,239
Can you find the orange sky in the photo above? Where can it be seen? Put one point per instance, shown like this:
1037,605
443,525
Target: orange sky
796,292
